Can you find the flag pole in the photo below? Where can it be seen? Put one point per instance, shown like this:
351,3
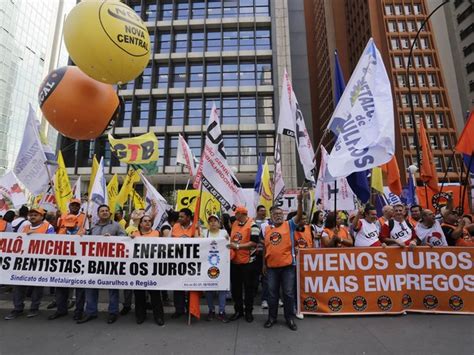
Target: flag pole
451,158
335,198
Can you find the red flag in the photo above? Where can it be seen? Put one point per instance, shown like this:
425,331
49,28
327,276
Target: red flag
194,307
392,172
466,140
427,170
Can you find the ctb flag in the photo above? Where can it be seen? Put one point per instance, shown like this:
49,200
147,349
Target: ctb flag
137,150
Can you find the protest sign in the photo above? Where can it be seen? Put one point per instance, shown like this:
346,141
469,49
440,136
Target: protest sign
364,281
142,263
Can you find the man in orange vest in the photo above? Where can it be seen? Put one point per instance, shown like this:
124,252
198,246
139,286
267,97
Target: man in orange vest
243,272
279,264
71,223
183,229
37,226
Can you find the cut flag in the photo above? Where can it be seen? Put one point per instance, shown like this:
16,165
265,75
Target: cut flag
266,196
377,180
112,192
427,170
62,186
392,174
185,156
76,189
127,186
465,144
95,166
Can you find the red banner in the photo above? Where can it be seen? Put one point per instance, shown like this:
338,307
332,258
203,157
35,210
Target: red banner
386,280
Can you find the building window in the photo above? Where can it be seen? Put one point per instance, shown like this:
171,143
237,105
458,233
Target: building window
198,9
388,10
398,9
398,61
162,73
248,110
172,150
434,142
143,112
440,120
197,41
402,81
465,14
214,8
161,148
138,9
405,43
230,110
214,41
161,112
213,75
470,67
164,42
471,86
429,121
412,26
246,39
467,31
428,61
408,10
248,149
262,8
422,80
182,10
196,75
195,112
177,112
150,12
247,74
229,74
166,10
246,8
402,26
263,39
195,143
126,114
425,99
436,98
181,42
144,80
438,164
468,49
230,8
418,61
412,79
445,141
417,9
179,76
231,144
432,80
264,73
425,43
152,42
266,142
404,100
265,109
392,26
230,40
394,43
416,100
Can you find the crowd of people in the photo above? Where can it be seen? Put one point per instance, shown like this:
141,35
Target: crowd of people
263,252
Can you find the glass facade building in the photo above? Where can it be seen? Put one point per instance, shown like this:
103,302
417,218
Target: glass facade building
203,52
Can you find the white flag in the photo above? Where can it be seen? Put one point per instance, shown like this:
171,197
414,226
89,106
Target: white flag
11,195
327,189
364,118
30,165
98,192
214,172
278,183
185,156
153,197
291,123
76,189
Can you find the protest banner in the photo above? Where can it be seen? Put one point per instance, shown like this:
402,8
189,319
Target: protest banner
361,281
141,263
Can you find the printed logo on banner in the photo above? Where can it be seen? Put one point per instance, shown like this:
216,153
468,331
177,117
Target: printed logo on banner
335,304
406,301
237,237
275,238
213,256
302,243
456,303
430,301
213,272
359,303
310,304
384,303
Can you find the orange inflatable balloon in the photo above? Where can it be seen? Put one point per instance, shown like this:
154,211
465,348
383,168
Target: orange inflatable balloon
76,105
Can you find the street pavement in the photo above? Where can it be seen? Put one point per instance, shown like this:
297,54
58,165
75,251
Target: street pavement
405,334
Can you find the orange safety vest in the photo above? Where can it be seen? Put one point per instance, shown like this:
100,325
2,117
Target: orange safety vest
71,221
42,229
179,232
343,234
240,234
278,251
3,225
303,240
412,222
152,233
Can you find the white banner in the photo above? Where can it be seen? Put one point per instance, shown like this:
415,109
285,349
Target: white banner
364,119
114,262
278,183
11,195
154,201
291,123
214,172
30,165
326,188
185,156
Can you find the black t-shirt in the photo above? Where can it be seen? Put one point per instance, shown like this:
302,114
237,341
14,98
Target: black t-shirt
448,231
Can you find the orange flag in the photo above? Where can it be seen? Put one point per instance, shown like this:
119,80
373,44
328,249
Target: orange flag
466,140
427,170
194,296
392,173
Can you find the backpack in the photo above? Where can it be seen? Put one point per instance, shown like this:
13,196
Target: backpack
391,224
17,227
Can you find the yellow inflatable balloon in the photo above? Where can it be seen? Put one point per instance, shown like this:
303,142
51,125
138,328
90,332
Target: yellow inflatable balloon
107,40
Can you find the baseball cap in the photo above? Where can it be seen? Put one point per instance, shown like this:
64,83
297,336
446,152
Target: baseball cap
213,216
74,200
37,210
241,209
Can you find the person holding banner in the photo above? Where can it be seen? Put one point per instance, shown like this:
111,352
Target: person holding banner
145,230
387,214
106,227
243,273
334,234
398,231
429,230
415,215
37,226
365,228
453,227
71,223
280,262
215,231
183,229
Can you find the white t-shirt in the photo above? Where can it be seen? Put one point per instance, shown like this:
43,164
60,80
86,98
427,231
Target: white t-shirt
206,233
433,236
318,230
367,235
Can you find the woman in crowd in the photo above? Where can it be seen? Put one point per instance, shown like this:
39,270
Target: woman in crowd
317,224
334,234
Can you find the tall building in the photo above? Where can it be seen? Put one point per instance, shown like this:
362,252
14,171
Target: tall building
28,51
346,26
231,53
